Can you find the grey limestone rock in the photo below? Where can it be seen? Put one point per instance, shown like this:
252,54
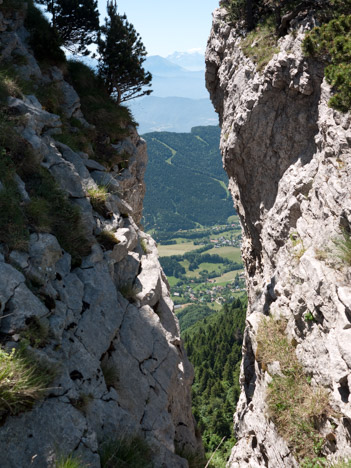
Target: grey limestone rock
287,157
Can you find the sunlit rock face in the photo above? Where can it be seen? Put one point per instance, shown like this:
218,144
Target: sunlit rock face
287,155
113,339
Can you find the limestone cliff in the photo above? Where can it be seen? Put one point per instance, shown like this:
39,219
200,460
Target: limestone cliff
287,155
113,339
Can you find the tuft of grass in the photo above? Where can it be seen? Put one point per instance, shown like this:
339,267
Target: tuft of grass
133,452
296,408
343,247
107,239
261,44
22,382
98,197
69,461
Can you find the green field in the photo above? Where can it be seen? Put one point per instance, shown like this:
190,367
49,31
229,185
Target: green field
233,253
218,277
175,249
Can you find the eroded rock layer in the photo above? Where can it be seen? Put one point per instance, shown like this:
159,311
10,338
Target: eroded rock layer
113,342
288,158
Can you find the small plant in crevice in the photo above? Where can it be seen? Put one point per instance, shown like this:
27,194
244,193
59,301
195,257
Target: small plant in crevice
297,244
110,374
22,381
107,239
343,247
98,197
296,407
308,317
125,452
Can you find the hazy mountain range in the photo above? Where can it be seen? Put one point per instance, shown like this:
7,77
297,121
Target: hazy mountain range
179,100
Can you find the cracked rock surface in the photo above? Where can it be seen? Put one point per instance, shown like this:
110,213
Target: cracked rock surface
113,337
288,158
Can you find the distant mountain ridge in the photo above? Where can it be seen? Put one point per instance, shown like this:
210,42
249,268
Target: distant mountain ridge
193,61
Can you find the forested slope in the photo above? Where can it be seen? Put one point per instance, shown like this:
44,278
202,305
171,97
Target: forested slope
186,184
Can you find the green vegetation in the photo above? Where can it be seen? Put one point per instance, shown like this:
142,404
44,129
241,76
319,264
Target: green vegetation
111,121
298,249
76,23
110,374
214,345
107,239
121,56
186,183
343,247
49,209
261,44
132,452
43,39
98,197
22,382
331,43
296,407
69,461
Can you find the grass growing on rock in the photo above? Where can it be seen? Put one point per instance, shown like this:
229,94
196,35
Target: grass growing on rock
261,44
98,197
295,406
133,452
107,239
22,382
69,461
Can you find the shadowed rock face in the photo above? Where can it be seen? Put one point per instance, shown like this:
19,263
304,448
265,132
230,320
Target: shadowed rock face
287,156
113,337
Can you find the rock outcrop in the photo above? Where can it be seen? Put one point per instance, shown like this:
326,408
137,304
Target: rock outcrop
113,339
287,155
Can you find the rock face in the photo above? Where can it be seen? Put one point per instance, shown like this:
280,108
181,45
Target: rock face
287,155
114,340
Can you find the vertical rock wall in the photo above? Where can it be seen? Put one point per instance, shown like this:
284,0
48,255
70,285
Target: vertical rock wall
114,340
287,155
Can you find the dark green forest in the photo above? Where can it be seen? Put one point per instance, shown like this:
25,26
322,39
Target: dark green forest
186,184
214,346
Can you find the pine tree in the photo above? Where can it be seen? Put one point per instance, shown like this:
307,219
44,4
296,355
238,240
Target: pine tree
75,21
122,54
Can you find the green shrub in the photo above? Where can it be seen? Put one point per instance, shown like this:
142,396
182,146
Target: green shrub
296,408
22,382
110,374
331,43
120,453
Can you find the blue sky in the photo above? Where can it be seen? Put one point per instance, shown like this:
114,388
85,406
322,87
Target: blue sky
168,26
